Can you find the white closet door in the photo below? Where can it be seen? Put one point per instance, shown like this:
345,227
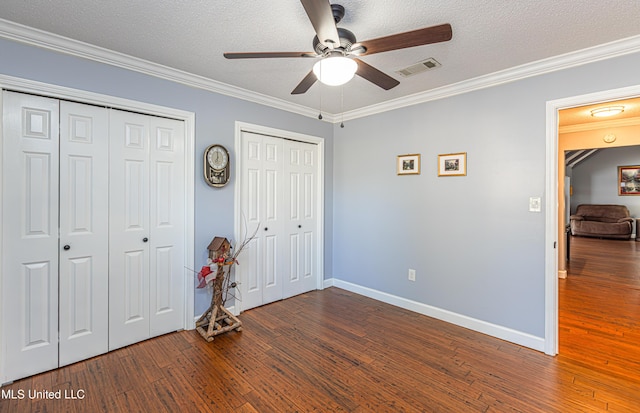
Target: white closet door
300,171
128,229
29,235
273,220
279,196
166,236
146,282
250,269
261,206
84,236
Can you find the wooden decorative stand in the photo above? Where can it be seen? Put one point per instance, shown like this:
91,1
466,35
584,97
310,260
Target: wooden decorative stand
217,319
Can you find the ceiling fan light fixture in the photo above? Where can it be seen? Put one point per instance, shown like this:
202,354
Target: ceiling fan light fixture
607,111
335,70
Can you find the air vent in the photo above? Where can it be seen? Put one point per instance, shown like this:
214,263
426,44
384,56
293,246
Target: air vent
419,67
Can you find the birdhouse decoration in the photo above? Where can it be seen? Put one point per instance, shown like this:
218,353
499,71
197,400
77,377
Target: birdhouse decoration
219,249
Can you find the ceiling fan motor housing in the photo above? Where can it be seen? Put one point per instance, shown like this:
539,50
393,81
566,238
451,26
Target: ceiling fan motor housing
347,39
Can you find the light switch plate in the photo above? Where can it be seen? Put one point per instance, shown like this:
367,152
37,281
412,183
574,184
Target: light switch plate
534,204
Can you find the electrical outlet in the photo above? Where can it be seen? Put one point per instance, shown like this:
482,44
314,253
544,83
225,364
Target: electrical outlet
412,275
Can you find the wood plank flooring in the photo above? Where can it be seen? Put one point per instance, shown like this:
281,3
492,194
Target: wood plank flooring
335,351
599,312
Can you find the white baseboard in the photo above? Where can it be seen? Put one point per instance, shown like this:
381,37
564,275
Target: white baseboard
503,333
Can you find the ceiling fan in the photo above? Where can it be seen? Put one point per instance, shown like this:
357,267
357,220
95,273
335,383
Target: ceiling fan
339,51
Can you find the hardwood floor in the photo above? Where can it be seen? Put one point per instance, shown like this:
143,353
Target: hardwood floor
333,350
599,305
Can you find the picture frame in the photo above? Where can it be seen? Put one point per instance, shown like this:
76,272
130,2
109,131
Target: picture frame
408,164
629,180
452,164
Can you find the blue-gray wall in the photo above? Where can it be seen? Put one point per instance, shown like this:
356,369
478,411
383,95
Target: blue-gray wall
477,249
215,117
595,180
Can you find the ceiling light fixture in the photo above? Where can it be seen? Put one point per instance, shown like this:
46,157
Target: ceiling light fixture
335,70
607,111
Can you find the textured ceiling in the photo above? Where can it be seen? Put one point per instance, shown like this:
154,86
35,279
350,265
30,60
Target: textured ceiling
488,36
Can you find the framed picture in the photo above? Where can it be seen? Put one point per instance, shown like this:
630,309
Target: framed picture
409,164
629,180
452,164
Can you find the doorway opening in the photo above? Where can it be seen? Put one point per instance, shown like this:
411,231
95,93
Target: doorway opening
555,221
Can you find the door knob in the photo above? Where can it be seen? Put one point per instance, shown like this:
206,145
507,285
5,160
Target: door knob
66,247
145,239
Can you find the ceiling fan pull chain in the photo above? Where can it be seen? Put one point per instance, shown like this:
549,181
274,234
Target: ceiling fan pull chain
342,106
320,115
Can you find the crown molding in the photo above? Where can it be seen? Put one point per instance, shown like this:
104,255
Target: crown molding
39,38
540,67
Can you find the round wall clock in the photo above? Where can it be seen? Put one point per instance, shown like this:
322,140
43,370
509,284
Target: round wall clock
216,166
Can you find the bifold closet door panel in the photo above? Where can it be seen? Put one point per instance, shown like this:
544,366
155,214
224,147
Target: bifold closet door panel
273,220
166,221
146,242
251,186
128,229
300,217
29,235
261,203
84,231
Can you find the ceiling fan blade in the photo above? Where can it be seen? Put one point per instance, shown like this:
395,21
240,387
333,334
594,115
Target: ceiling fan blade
321,16
427,35
262,55
305,84
375,76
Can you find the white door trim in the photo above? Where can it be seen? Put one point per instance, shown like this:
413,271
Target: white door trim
551,206
64,93
238,220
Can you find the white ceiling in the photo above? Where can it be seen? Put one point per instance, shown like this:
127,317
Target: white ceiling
488,36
